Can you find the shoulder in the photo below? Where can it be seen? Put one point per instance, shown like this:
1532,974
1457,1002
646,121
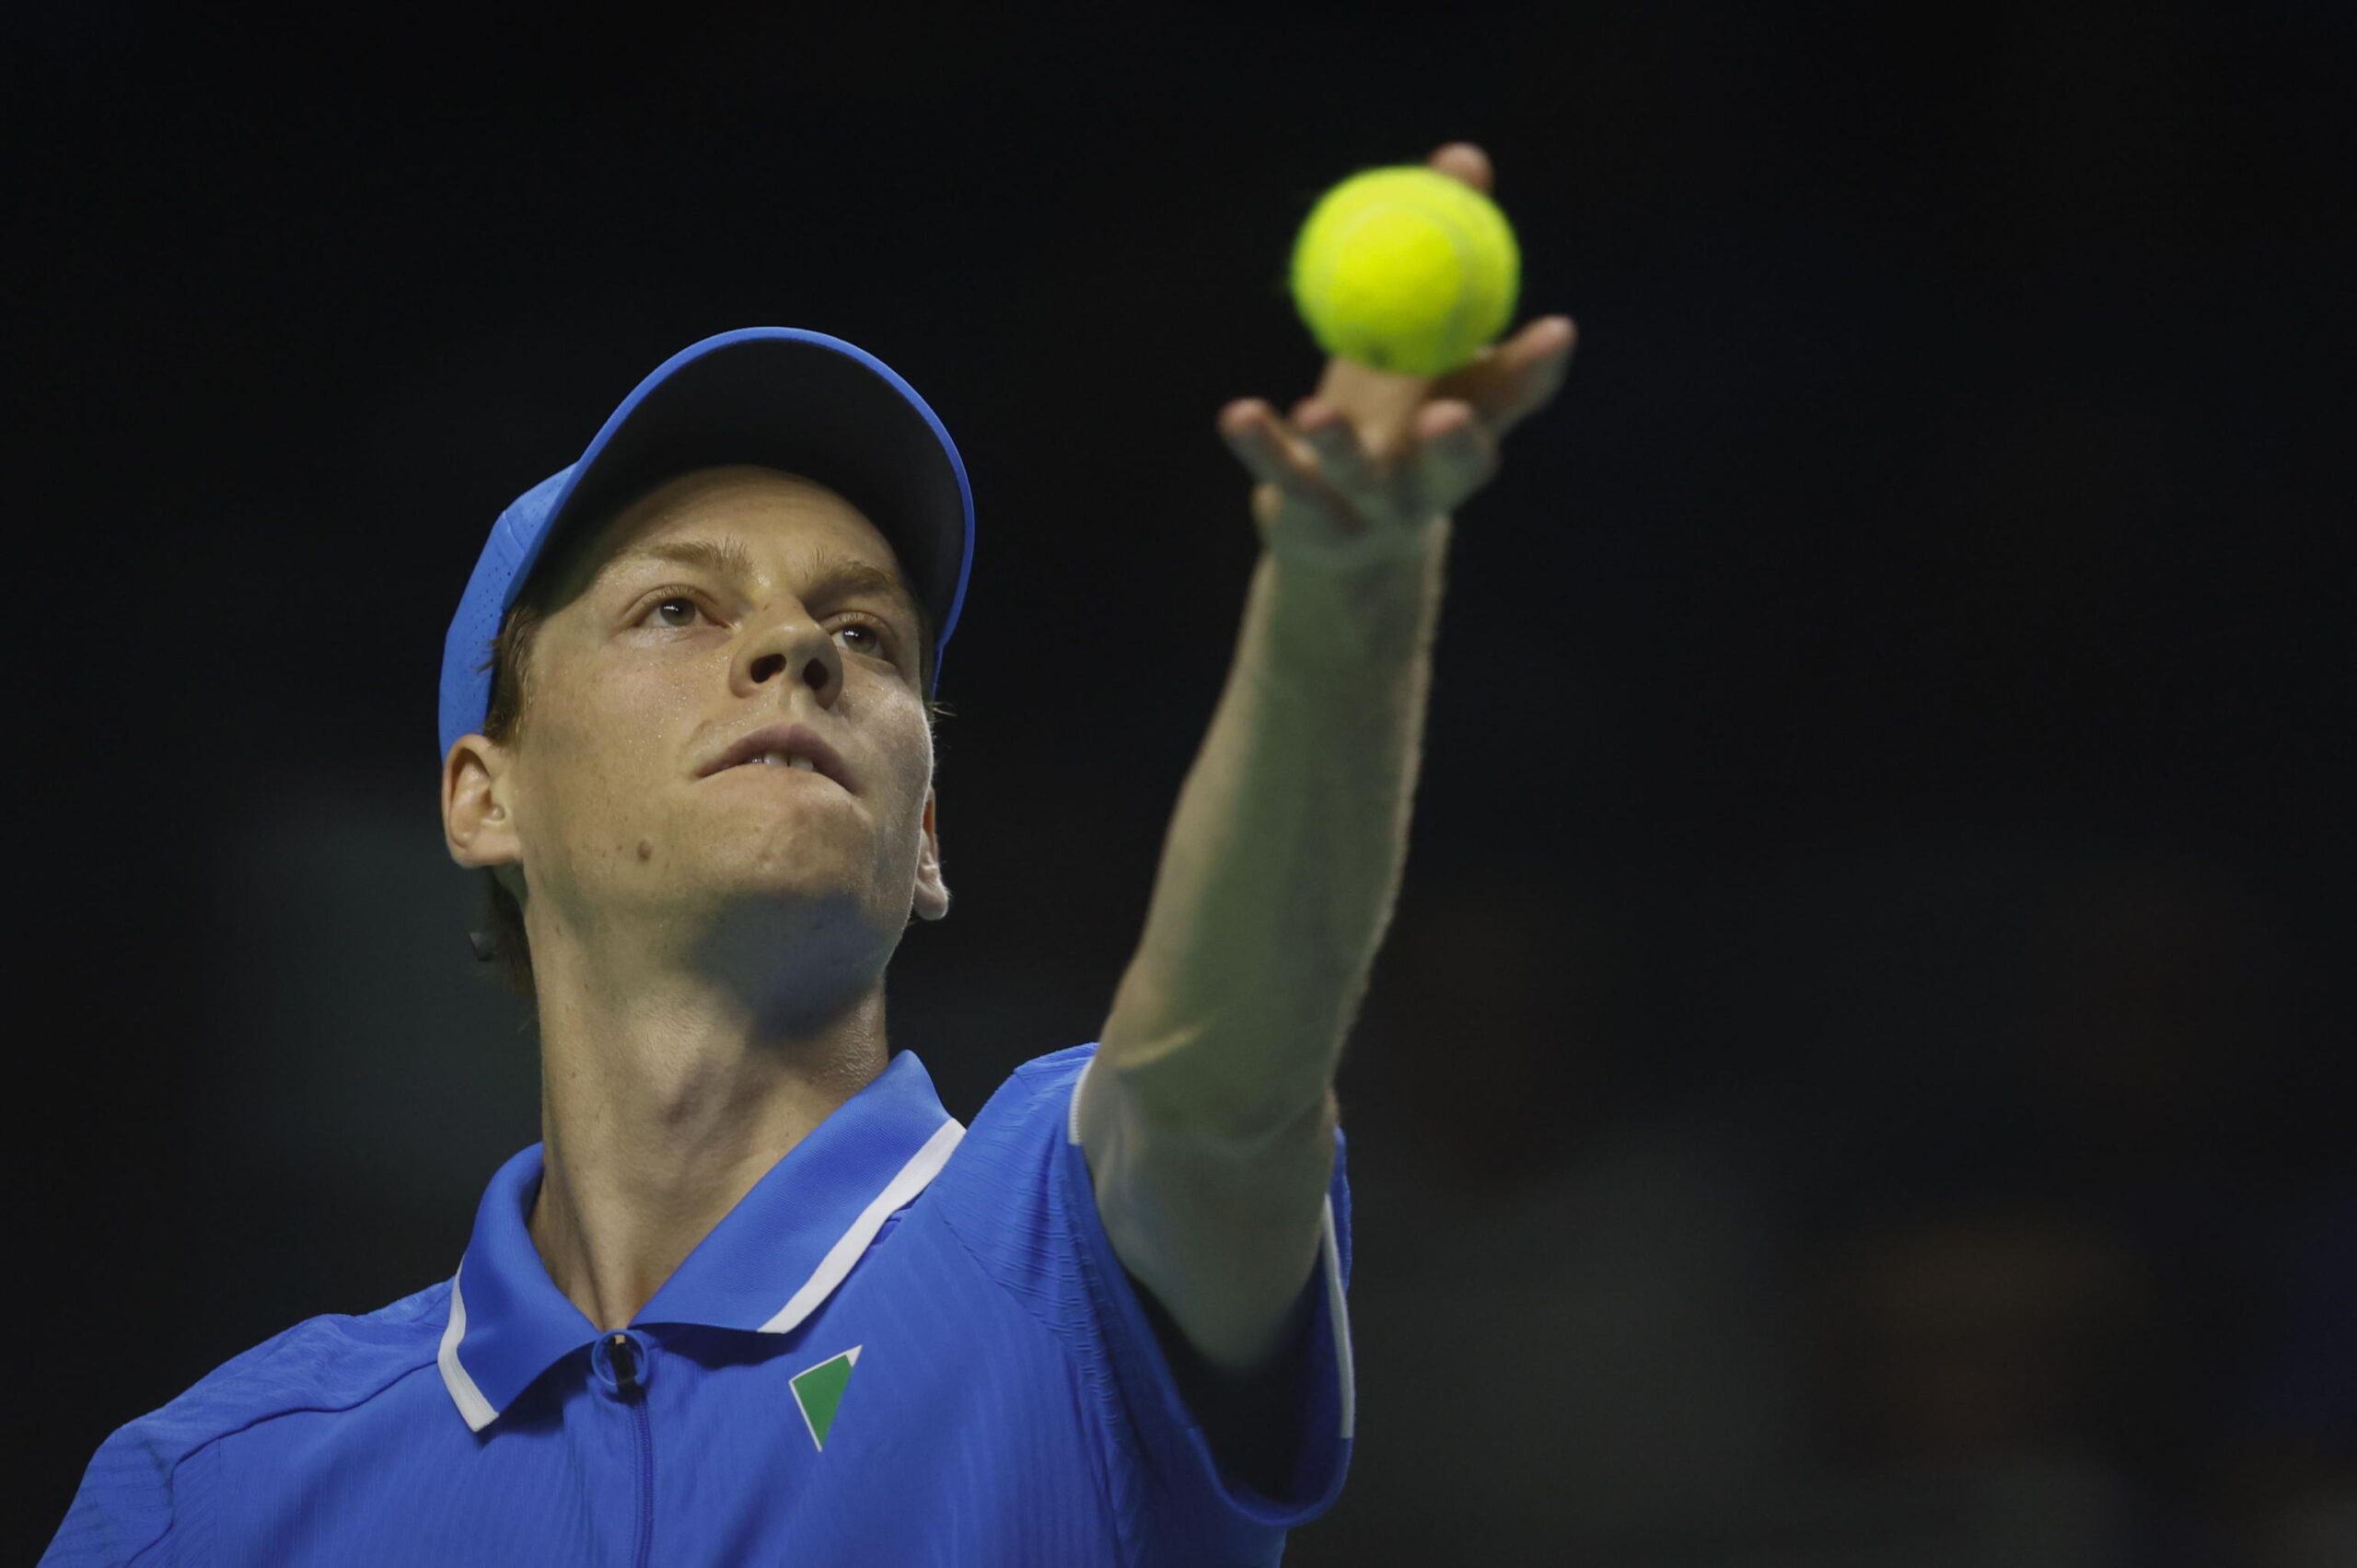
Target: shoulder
1042,1077
1020,1196
333,1362
330,1362
1000,1192
1026,1115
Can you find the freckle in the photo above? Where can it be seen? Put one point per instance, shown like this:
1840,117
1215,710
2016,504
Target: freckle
647,849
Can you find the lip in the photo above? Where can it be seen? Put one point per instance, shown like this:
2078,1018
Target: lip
794,740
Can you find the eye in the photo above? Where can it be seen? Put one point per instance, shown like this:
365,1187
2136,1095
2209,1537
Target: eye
659,607
874,634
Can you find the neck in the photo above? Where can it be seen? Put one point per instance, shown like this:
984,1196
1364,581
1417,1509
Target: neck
664,1098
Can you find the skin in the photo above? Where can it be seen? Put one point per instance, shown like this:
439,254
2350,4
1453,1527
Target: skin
1210,1134
708,952
1370,466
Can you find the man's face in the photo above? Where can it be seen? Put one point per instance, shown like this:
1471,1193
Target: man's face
722,602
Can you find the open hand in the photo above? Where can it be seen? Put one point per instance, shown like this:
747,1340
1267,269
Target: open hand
1372,463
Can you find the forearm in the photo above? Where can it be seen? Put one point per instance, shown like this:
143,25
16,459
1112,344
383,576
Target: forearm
1284,853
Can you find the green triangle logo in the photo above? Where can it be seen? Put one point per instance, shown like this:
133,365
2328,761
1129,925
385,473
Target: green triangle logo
819,1391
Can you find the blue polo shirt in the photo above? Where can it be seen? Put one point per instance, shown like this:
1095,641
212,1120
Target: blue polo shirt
910,1342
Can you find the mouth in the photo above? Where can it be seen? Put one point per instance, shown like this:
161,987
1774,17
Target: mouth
772,764
786,749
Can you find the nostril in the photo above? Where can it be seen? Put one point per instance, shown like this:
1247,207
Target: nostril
767,665
817,674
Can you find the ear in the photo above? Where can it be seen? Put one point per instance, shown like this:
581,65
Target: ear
478,822
932,892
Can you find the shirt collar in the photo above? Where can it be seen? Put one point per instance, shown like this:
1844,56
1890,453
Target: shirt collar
764,1268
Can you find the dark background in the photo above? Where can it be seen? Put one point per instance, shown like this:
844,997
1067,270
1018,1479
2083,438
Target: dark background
1860,1070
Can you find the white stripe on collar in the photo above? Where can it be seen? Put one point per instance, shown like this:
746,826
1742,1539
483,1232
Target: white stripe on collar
920,1169
911,1179
463,1392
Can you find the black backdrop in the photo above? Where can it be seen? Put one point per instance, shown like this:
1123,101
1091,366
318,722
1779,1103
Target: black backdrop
1889,743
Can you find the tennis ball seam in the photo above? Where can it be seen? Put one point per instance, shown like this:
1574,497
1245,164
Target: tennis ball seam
1425,205
1474,236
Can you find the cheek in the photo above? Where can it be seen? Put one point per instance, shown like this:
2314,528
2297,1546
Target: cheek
915,782
589,806
612,747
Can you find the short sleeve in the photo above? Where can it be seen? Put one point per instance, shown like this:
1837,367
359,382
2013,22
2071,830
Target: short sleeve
123,1507
1050,1245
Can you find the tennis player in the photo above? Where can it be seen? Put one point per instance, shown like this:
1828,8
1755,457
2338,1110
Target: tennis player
756,1298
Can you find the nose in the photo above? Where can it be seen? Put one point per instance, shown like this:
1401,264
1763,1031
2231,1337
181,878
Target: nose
797,647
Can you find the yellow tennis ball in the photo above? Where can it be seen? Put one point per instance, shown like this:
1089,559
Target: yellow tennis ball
1405,269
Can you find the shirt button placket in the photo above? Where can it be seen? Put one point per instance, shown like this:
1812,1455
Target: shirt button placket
622,1361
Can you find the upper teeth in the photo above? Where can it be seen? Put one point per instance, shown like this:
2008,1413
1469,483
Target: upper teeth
773,759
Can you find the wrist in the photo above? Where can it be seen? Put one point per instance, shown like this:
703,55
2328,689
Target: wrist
1321,617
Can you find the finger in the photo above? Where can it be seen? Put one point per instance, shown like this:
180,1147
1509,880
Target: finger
1285,465
1538,358
1510,381
1343,457
1457,453
1379,404
1272,452
1466,162
1370,483
1253,430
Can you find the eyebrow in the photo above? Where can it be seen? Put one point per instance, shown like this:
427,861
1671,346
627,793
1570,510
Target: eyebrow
832,571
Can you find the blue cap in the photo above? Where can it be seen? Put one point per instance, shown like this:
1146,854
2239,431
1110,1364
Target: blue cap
779,397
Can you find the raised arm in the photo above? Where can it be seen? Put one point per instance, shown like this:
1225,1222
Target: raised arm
1208,1116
